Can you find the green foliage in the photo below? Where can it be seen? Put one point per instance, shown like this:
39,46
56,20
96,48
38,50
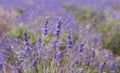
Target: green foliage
111,36
83,14
114,43
18,33
19,10
88,14
69,6
63,36
47,38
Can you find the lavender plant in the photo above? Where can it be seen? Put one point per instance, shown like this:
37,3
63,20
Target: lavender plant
55,56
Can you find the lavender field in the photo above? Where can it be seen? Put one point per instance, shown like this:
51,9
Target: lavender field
59,36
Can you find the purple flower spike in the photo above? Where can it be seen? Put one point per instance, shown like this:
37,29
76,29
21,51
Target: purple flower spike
70,42
93,52
26,39
76,61
22,65
1,66
39,39
102,67
13,68
112,65
45,28
34,62
58,55
87,57
58,28
54,43
81,70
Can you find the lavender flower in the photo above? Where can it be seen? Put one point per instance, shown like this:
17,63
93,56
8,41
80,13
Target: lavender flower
26,39
75,71
1,66
81,47
81,70
58,55
21,65
58,28
39,39
93,52
13,68
34,62
45,29
87,57
38,44
70,42
67,54
102,67
54,43
76,61
2,56
0,42
112,65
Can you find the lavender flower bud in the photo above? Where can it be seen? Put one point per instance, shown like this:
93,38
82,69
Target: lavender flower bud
58,28
87,57
45,29
76,61
13,68
67,54
93,52
112,66
54,43
34,62
81,70
26,39
58,55
102,67
22,65
81,47
70,42
1,66
39,39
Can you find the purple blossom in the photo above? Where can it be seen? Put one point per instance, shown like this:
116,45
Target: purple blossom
58,28
81,70
1,66
39,39
34,62
58,55
2,56
70,41
13,68
26,39
87,57
45,28
102,67
81,47
93,52
67,54
76,61
112,65
54,43
75,71
21,65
